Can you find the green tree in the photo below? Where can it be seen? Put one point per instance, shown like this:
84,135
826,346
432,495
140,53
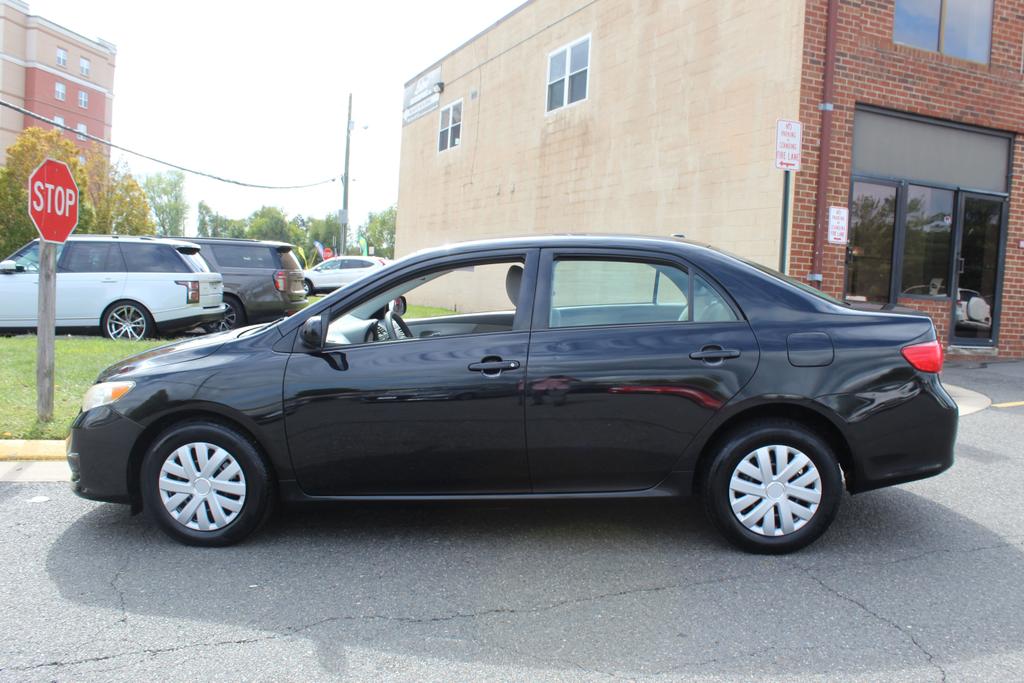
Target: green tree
213,224
118,201
28,151
166,193
380,232
269,223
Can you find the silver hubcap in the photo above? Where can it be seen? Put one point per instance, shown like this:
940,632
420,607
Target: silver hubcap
775,490
202,486
229,319
126,322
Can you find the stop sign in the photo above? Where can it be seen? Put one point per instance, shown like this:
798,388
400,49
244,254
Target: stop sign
53,200
328,253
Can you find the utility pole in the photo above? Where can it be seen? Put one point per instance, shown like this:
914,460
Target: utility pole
344,197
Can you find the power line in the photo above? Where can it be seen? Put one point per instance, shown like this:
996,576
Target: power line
110,144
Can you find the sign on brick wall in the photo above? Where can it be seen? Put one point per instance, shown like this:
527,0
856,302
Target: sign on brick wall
788,142
838,224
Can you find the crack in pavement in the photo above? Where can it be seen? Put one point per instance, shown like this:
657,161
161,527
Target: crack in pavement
906,633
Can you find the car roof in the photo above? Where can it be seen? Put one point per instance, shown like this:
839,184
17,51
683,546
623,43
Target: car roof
239,240
594,240
134,239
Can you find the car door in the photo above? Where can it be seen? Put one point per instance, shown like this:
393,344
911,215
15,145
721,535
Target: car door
20,289
631,354
433,414
90,277
327,274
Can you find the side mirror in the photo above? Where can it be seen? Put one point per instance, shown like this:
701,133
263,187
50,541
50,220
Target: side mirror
312,332
399,306
8,267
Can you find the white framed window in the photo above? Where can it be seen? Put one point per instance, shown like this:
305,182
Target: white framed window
60,91
62,57
83,99
84,65
568,74
59,120
449,133
82,130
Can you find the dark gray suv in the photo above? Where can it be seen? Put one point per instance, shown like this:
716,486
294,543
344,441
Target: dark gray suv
262,279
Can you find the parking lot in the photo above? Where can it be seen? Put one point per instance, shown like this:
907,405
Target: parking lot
919,582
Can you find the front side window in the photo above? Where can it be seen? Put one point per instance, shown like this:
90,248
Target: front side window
152,258
83,99
84,66
471,298
60,91
961,28
450,131
568,70
92,257
26,259
328,265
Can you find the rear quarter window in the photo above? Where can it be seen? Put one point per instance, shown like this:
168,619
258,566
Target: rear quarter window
288,261
153,258
244,256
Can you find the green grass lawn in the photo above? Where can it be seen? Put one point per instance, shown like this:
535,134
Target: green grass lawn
78,361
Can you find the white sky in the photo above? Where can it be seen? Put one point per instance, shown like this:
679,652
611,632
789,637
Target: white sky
257,91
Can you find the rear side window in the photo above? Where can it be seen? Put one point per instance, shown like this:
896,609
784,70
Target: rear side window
612,292
244,256
92,257
153,258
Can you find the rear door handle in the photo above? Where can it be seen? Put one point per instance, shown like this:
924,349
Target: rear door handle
714,354
494,367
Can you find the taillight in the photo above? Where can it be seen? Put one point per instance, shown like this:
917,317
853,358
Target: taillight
926,357
281,281
191,290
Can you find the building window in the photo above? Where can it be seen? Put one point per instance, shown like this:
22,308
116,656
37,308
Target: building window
450,133
60,91
82,130
84,65
83,99
62,57
59,120
960,28
567,74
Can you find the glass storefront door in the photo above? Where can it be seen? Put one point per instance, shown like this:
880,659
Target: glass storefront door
976,268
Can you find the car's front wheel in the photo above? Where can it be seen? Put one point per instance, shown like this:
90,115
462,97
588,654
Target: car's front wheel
206,484
308,286
127,320
773,486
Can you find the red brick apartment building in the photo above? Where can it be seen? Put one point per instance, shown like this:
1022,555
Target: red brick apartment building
55,72
659,116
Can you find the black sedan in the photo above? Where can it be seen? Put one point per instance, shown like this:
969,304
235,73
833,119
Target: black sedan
530,368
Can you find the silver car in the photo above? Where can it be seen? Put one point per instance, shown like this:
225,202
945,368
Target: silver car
340,271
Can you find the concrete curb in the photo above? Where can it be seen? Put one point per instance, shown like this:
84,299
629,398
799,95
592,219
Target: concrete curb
12,450
966,400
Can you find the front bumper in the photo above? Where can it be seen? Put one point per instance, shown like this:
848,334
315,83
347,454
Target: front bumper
99,453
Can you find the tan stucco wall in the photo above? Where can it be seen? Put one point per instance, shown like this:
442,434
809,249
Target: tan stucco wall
677,133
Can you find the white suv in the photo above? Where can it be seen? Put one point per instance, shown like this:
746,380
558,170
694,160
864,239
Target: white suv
340,271
128,287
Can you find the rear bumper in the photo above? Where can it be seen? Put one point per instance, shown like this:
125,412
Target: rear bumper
901,435
193,319
98,453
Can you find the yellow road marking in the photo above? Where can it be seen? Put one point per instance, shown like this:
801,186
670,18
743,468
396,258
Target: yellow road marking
1011,404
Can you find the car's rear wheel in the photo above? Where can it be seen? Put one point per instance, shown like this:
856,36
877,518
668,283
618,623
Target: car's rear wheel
234,316
127,320
773,486
206,484
308,286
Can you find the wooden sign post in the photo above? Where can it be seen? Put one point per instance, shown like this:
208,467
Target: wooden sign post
53,208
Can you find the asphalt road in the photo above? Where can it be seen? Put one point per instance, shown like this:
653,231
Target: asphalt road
919,582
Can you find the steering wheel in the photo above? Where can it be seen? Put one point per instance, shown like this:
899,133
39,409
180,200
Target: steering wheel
396,327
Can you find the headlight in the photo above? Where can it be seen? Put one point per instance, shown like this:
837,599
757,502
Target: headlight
104,393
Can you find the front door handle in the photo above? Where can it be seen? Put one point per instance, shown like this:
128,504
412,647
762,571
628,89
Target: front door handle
492,367
713,353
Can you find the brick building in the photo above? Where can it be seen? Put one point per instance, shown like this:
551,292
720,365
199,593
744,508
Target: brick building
53,71
659,117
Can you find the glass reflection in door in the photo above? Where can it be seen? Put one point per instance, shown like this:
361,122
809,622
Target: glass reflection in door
978,268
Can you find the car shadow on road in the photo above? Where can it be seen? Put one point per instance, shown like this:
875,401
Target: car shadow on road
631,588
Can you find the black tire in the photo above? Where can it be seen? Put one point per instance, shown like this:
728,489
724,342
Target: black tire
127,319
235,316
257,503
743,442
308,286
